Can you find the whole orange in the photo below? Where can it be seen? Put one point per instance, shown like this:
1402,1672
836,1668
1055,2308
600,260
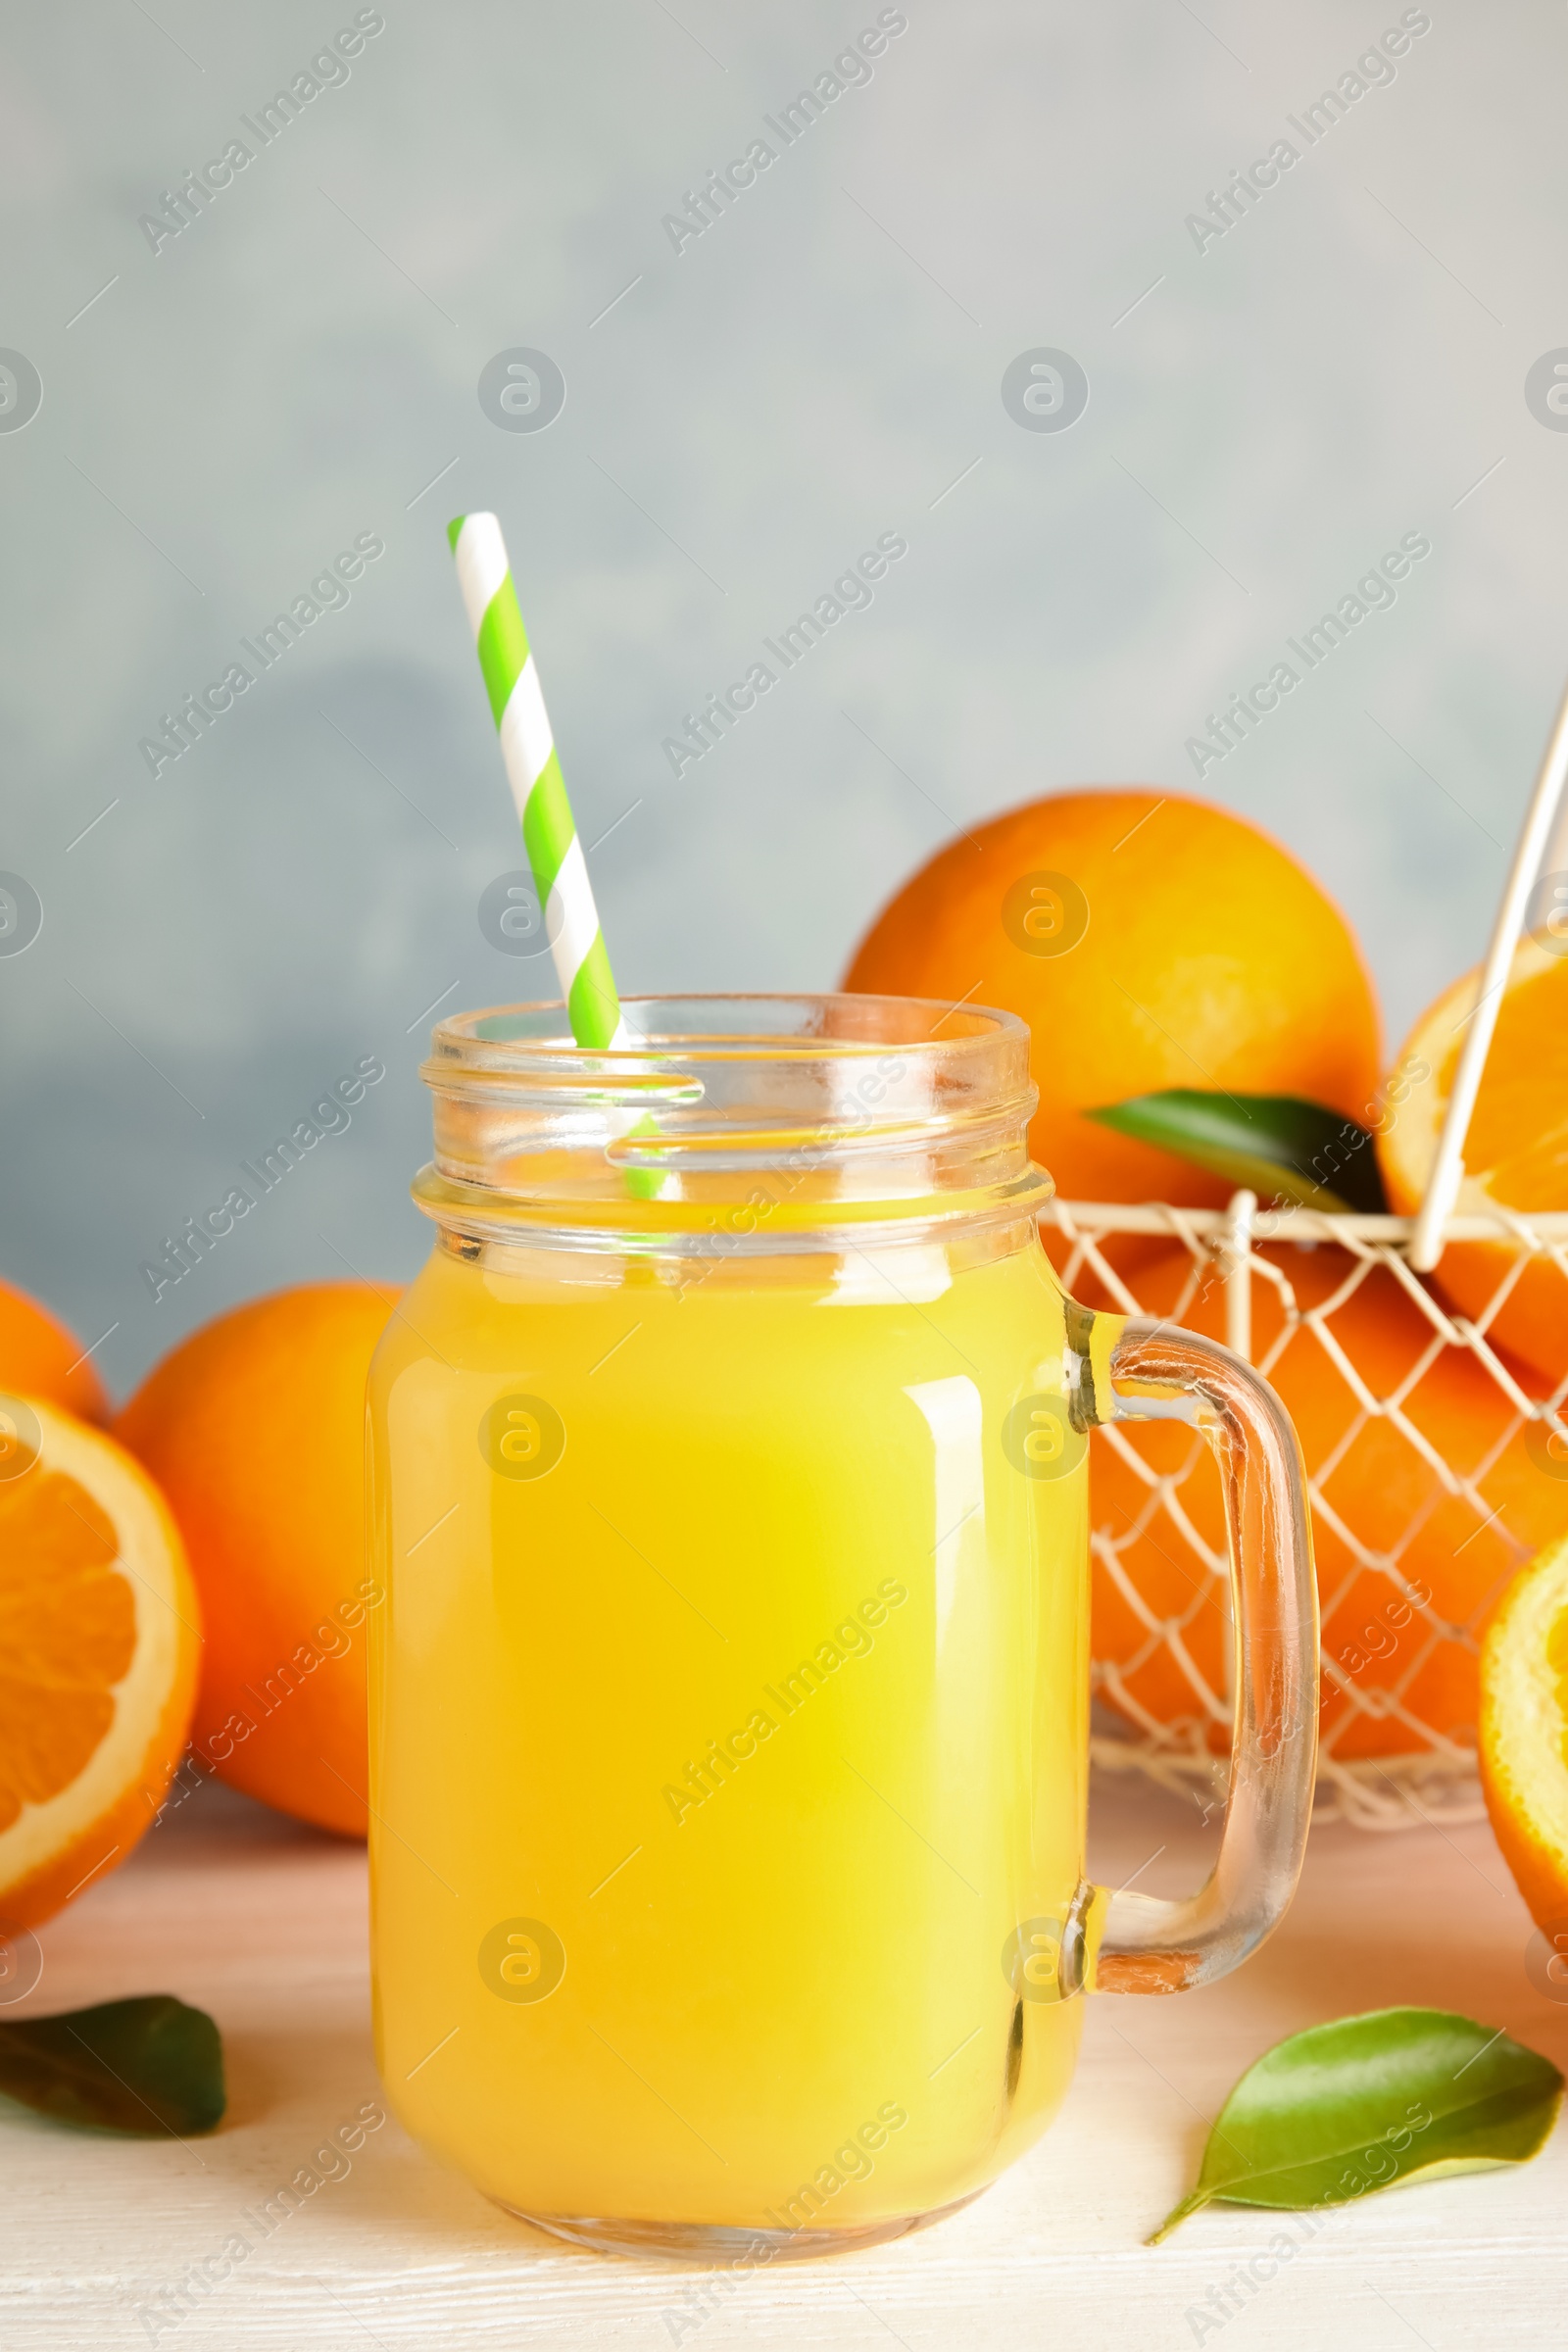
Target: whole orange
40,1357
254,1428
1409,1562
1149,941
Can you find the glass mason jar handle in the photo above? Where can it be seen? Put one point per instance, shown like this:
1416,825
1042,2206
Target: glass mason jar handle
1143,1370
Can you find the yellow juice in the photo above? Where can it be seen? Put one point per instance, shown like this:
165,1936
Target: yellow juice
729,1727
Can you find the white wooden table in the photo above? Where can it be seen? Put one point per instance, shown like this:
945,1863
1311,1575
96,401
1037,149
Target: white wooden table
264,1924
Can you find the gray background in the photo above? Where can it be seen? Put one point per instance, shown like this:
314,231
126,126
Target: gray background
1343,367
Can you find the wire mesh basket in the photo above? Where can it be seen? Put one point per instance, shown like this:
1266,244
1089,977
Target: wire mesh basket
1434,1475
1436,1464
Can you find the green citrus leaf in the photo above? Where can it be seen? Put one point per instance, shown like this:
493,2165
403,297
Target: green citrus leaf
146,2064
1399,2094
1282,1148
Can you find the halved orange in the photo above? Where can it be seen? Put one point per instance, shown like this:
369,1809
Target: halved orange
1516,1154
99,1645
1524,1732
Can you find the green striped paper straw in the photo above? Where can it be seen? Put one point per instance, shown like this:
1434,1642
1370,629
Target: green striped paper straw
529,748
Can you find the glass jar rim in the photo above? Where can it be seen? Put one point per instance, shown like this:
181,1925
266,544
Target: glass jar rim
831,1111
845,1024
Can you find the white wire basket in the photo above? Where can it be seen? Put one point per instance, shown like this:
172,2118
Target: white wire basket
1436,1466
